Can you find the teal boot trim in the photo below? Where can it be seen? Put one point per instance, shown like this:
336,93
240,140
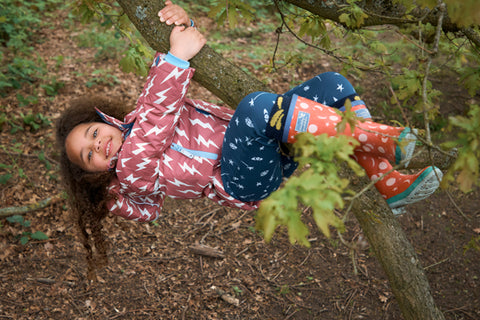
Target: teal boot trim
406,154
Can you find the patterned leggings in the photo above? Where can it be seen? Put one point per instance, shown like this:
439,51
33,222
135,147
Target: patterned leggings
252,164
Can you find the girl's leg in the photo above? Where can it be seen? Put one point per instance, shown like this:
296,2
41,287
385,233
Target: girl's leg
252,164
298,114
377,144
331,89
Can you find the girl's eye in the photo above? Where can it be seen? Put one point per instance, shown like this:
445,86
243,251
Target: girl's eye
95,133
89,155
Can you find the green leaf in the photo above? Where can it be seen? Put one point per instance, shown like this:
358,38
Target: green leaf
318,186
15,219
26,223
466,165
5,177
39,235
24,240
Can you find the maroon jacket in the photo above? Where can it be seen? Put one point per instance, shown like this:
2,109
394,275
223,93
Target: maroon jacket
172,148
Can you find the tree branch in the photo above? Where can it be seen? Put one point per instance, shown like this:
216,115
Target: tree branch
215,73
381,12
10,211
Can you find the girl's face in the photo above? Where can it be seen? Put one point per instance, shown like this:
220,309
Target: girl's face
92,146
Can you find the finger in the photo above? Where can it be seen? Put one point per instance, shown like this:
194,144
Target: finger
172,18
166,13
178,29
169,16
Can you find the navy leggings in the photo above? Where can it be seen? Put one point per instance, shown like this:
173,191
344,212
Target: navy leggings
252,164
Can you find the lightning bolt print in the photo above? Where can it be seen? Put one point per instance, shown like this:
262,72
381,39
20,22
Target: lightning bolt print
147,171
145,213
201,140
199,122
166,160
140,148
161,96
176,73
191,169
194,192
143,115
131,178
178,183
150,85
129,211
143,165
123,161
156,130
133,132
182,133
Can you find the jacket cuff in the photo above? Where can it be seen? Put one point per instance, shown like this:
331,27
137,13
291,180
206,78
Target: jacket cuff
177,62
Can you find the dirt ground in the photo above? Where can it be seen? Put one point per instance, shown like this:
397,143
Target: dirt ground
155,272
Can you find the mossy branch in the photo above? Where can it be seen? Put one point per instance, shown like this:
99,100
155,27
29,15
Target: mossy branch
21,210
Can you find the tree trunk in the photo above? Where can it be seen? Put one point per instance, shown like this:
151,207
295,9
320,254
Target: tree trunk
396,256
231,84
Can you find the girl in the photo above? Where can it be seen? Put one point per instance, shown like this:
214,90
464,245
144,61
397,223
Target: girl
181,148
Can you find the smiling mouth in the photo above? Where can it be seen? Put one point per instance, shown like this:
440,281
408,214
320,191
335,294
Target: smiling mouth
107,148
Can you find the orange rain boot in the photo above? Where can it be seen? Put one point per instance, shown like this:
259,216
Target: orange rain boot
304,115
399,189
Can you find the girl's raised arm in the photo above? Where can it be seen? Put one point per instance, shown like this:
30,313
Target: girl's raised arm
185,40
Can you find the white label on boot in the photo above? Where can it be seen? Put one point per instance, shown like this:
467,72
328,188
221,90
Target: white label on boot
303,119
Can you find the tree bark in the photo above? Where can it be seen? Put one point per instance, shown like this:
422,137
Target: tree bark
388,241
397,258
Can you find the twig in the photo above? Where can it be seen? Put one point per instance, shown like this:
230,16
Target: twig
413,42
186,307
456,206
159,259
399,105
436,264
472,35
226,297
211,212
10,211
51,281
207,251
328,52
26,155
432,54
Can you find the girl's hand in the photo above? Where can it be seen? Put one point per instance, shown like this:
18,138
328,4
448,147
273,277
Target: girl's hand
185,43
173,14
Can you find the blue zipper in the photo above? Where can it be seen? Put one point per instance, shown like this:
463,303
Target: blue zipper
193,153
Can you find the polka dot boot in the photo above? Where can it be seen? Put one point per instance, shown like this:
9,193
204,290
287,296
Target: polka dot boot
305,115
396,188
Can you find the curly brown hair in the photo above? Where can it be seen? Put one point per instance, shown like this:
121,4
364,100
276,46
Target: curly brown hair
87,192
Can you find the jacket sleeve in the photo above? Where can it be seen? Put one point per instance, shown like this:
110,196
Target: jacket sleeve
160,104
140,209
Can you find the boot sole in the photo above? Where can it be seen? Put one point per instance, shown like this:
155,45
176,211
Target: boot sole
421,188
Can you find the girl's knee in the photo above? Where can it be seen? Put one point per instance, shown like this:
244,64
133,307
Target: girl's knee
258,99
334,76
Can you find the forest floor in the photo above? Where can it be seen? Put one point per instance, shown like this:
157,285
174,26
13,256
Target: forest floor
154,271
